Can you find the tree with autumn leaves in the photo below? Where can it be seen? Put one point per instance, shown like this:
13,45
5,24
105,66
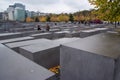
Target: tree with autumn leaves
80,16
108,10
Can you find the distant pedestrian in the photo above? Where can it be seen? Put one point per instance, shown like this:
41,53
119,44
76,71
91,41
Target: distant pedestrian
55,23
38,27
47,27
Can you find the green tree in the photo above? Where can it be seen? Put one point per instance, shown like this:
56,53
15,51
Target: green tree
108,9
71,18
48,19
36,19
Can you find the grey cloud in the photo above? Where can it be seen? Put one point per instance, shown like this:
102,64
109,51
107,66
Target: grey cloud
35,2
56,6
79,4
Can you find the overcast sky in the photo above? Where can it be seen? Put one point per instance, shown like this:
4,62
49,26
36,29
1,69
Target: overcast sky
49,6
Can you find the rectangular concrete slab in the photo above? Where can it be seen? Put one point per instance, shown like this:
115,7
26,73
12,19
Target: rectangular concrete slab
42,35
90,58
16,45
73,34
4,36
54,30
45,54
16,67
28,33
16,39
86,33
59,34
65,40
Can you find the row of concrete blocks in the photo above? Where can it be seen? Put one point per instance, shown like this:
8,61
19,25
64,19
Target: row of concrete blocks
42,51
80,59
4,36
52,34
62,34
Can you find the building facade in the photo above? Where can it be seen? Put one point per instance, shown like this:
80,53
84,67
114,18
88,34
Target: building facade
19,14
10,11
16,12
1,16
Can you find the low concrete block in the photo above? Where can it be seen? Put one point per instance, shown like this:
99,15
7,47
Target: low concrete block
4,36
65,40
15,45
43,35
16,40
93,31
87,33
72,34
45,54
59,34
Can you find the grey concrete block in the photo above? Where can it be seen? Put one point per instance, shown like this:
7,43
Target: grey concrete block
43,35
28,33
65,40
16,40
72,34
102,29
16,67
54,30
45,54
60,34
87,33
91,58
15,45
117,70
94,31
4,36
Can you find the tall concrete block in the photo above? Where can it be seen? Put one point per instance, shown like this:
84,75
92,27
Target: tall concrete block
91,58
117,70
13,66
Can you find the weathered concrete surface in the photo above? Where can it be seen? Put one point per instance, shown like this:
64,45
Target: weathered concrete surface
15,45
91,58
16,40
43,35
86,33
16,67
65,40
72,34
46,54
4,36
59,34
